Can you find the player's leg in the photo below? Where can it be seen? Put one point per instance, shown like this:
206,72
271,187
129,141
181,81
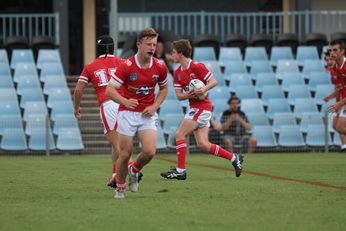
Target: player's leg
228,140
185,128
112,138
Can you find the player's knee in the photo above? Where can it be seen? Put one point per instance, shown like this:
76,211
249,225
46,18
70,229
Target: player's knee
149,153
179,135
205,146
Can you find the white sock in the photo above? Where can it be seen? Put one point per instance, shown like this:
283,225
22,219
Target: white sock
343,146
180,170
233,158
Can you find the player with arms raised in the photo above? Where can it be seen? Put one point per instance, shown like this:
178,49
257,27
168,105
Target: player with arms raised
197,118
139,75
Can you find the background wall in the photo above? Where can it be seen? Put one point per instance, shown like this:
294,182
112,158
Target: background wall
328,5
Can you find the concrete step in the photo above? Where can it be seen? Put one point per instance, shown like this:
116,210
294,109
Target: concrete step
88,137
89,103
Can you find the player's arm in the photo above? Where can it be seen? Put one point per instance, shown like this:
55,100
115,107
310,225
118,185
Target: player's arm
335,107
113,94
181,95
210,84
331,96
77,97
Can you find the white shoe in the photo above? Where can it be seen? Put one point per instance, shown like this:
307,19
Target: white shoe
119,194
133,180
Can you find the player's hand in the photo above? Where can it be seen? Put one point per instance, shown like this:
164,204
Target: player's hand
334,107
191,94
201,91
131,103
77,113
149,111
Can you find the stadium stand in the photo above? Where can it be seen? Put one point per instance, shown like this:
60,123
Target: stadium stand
208,41
236,40
262,40
288,40
316,39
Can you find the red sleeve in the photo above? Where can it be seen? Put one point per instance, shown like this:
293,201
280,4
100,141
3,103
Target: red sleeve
202,72
84,76
176,82
163,75
121,73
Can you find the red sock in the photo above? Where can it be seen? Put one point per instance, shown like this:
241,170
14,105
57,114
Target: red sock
121,185
181,153
114,169
135,167
130,163
216,150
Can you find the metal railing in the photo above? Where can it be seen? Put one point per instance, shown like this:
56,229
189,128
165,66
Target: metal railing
221,24
30,25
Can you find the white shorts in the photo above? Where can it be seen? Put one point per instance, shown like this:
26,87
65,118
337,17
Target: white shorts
130,122
202,117
109,114
342,111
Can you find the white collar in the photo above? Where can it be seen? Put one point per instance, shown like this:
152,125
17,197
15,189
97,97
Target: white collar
138,63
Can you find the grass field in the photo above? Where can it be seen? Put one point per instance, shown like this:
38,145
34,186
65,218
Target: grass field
276,192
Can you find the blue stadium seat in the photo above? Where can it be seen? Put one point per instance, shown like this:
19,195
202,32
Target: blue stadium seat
252,106
30,94
5,76
220,105
219,92
318,78
234,67
286,66
38,139
57,94
35,121
9,108
291,78
213,67
3,57
13,139
306,52
48,69
260,66
21,56
336,139
310,119
54,81
283,118
313,66
10,121
61,107
315,136
26,82
119,52
201,54
170,107
322,90
264,136
48,56
246,92
171,122
277,106
272,92
34,108
161,141
254,53
64,121
278,53
296,91
290,136
229,53
69,139
304,105
24,69
258,119
8,95
265,79
237,80
170,95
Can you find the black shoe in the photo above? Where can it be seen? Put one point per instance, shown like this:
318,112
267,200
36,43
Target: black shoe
113,183
174,174
237,164
343,150
140,175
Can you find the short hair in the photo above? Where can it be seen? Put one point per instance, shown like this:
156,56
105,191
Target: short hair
326,54
147,32
338,42
104,45
233,98
183,46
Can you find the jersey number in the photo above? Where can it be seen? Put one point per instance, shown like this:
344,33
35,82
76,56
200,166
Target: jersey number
102,75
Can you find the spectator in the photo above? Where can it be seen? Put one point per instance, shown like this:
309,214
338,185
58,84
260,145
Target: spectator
162,55
235,126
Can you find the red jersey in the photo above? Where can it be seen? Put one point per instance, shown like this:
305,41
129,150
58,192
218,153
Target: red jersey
339,79
182,79
98,72
139,83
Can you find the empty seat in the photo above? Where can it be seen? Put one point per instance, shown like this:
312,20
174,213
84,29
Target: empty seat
313,66
278,53
5,76
283,118
69,139
246,92
161,141
10,121
322,90
58,94
201,54
208,41
3,57
258,119
291,78
304,105
306,52
310,119
35,121
318,78
234,67
297,91
61,107
288,40
54,81
290,136
24,69
42,42
277,106
272,92
219,92
213,67
236,40
229,54
264,136
22,56
171,122
34,108
262,40
28,81
64,121
260,66
254,53
9,109
239,80
41,139
252,106
13,139
48,56
286,66
219,106
8,95
316,135
316,39
16,42
30,94
51,69
265,79
170,107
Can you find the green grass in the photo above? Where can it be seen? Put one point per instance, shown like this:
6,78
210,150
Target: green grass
69,193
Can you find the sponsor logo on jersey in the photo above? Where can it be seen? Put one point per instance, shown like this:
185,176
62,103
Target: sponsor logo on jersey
133,77
128,62
145,90
155,78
